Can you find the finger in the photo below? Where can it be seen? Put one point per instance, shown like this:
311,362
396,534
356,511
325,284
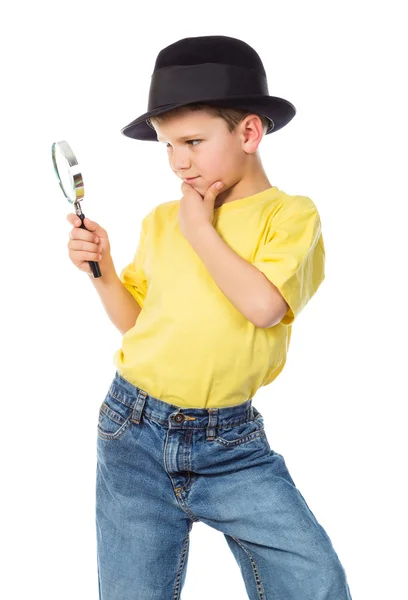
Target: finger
215,187
79,243
82,255
74,220
83,234
213,190
91,225
83,251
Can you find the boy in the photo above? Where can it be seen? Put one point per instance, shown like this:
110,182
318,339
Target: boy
206,309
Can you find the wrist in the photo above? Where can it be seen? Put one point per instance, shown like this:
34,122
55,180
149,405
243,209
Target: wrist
201,235
108,273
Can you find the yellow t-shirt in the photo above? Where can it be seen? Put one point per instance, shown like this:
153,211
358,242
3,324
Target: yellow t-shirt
190,346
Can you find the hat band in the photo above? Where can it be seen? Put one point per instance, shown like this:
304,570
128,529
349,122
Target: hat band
194,83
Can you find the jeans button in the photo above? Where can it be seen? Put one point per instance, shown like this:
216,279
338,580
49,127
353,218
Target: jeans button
179,418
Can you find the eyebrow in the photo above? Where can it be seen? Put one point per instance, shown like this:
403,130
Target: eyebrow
185,137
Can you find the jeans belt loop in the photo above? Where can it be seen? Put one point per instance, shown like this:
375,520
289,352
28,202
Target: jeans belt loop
138,408
212,423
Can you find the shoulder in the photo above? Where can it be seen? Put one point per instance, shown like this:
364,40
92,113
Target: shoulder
165,208
159,212
295,208
291,216
293,203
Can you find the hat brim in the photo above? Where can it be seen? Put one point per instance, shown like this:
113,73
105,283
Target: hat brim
279,110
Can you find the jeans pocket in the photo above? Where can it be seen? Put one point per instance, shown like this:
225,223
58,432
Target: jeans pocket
114,417
241,434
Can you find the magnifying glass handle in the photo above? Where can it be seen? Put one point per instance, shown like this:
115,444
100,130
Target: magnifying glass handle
94,265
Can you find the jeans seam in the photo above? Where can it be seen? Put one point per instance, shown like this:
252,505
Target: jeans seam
259,587
111,414
185,462
121,400
176,590
160,422
117,435
239,441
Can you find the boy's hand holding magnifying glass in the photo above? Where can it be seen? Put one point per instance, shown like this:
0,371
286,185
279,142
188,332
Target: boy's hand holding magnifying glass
84,245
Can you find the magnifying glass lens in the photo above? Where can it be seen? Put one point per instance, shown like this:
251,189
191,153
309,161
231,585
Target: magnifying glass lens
64,173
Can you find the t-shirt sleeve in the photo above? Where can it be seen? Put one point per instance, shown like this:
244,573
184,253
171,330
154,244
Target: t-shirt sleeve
133,275
293,255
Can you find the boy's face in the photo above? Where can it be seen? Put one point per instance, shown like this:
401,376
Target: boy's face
209,151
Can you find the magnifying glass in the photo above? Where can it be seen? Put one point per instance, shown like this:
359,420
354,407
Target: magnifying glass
72,184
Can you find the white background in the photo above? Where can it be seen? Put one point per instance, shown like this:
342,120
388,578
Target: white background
80,71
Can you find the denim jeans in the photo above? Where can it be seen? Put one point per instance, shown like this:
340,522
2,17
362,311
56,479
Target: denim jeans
161,467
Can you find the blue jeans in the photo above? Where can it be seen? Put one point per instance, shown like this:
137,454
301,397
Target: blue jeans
160,468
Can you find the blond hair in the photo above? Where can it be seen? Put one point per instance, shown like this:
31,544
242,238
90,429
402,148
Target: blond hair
232,116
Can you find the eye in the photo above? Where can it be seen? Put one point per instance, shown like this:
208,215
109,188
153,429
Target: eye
187,142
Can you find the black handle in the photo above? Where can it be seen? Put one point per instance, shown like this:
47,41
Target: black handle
94,265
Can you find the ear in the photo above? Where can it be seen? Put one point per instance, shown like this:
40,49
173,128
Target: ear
251,133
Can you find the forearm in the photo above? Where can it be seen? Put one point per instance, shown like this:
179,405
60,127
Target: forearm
119,304
243,284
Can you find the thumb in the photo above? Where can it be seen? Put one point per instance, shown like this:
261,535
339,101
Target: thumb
93,226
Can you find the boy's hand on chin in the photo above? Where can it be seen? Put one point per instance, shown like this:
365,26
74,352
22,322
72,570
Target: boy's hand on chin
196,211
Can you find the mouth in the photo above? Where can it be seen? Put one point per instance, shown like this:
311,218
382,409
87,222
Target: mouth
188,179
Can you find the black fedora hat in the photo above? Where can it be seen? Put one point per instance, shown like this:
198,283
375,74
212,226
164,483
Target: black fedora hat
216,70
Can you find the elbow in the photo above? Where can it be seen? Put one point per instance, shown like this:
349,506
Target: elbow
271,307
272,314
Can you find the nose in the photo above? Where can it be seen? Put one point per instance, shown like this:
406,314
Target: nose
180,161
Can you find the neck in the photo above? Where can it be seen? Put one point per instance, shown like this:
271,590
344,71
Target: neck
251,183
